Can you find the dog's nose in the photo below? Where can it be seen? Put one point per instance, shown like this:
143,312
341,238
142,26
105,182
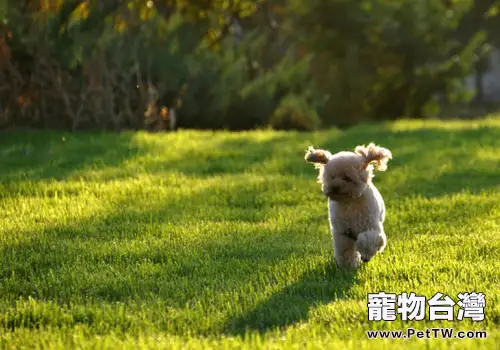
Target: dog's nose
364,259
334,189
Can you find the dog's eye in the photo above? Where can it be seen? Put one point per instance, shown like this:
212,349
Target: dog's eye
347,179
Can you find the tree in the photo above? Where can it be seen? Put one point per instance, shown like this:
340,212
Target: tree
385,59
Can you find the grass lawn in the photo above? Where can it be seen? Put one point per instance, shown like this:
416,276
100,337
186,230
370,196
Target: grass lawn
221,240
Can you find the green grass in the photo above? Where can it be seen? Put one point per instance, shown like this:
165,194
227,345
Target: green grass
221,240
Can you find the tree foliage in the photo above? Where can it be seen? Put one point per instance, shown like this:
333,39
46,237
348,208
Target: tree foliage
237,64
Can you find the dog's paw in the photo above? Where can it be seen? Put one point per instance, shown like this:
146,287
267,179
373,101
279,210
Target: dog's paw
348,261
369,243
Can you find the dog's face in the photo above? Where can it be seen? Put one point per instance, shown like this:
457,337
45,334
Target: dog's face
345,175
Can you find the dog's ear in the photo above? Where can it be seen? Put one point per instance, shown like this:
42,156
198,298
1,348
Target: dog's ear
374,154
317,157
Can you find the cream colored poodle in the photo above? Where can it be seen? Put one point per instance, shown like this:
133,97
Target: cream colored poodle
356,208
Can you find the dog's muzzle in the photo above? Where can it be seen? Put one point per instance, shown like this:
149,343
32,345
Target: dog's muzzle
332,191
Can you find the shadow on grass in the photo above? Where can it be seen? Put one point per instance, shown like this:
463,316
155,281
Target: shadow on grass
37,155
100,257
322,285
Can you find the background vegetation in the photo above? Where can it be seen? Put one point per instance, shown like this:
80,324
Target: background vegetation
160,64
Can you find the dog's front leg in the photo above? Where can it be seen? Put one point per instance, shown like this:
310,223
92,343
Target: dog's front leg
346,254
370,243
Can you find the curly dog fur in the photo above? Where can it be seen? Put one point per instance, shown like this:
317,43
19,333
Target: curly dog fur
356,208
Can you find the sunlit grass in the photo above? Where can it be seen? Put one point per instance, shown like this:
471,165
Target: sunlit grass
220,240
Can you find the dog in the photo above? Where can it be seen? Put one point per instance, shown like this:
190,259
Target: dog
356,207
